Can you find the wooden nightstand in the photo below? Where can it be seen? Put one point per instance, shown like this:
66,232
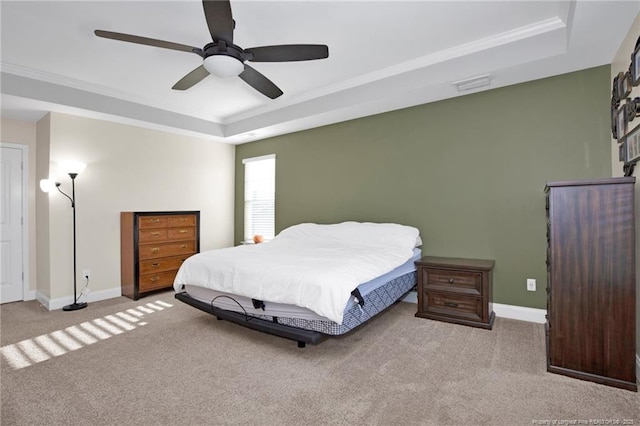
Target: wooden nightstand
456,290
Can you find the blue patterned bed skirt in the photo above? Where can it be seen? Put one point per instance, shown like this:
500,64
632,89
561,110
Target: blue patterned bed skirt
374,302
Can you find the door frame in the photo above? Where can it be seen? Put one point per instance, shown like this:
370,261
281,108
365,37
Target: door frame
24,150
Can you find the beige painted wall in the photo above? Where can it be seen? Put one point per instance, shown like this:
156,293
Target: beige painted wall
128,169
621,63
18,132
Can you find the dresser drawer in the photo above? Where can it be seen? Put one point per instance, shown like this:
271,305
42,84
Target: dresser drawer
150,266
151,235
155,281
183,233
464,282
152,251
181,220
145,222
453,305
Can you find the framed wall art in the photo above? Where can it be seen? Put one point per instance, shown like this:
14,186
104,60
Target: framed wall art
632,144
622,152
624,84
614,118
621,122
635,65
615,97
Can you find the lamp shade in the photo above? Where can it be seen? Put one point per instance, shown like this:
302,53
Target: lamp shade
47,185
70,166
223,66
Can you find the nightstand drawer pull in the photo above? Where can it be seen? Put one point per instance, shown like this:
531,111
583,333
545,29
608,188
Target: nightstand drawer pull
155,265
183,231
154,279
155,220
155,250
451,304
450,280
156,233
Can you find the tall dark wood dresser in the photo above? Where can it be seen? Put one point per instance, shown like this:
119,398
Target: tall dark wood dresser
153,245
591,280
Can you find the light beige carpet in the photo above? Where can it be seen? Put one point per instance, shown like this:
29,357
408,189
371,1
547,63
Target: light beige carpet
124,362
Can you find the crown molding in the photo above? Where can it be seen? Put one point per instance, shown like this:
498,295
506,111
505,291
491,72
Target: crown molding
35,74
528,31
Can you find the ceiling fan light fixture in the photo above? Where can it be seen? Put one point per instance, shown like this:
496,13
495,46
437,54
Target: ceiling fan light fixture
223,66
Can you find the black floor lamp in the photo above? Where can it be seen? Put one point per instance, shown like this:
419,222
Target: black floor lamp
73,169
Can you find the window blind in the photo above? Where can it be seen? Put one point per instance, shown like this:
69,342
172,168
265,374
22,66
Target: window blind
259,196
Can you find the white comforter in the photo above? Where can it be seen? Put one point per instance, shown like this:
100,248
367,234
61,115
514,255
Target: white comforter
309,265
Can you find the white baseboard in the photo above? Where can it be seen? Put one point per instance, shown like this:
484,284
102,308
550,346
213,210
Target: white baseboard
94,296
521,313
412,297
504,311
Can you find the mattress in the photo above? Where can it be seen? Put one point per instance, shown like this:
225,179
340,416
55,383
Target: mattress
376,295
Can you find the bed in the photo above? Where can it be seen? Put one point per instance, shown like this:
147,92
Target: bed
310,282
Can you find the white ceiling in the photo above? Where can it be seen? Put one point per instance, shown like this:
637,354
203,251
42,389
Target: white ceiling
383,55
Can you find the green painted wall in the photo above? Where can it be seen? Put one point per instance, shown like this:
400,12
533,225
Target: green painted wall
468,172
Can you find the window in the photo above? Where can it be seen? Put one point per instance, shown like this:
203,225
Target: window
259,196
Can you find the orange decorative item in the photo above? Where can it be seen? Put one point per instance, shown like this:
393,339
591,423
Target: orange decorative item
258,239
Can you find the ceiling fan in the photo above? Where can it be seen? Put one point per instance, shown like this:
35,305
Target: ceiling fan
225,59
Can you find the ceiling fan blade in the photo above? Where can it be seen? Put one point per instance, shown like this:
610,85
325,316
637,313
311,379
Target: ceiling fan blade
219,19
288,52
259,82
191,79
146,41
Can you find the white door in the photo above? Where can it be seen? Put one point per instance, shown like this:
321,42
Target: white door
11,272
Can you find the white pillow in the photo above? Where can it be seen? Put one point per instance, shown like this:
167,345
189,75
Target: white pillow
359,233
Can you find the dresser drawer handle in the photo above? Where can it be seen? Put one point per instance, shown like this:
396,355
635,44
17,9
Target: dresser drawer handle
451,304
183,231
155,265
155,250
155,220
154,279
183,246
450,280
155,233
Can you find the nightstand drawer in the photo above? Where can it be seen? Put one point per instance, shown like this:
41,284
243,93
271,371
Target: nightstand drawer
454,281
453,305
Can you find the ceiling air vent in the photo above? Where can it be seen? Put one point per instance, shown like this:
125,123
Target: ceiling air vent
473,82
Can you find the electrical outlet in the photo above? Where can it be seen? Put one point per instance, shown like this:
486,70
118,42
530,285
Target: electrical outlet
86,274
531,284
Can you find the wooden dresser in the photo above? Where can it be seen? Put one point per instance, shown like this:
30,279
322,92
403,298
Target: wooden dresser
456,290
591,280
153,245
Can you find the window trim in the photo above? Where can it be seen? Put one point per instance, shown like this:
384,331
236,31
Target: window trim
245,161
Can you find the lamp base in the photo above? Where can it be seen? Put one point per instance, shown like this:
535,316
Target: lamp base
75,306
